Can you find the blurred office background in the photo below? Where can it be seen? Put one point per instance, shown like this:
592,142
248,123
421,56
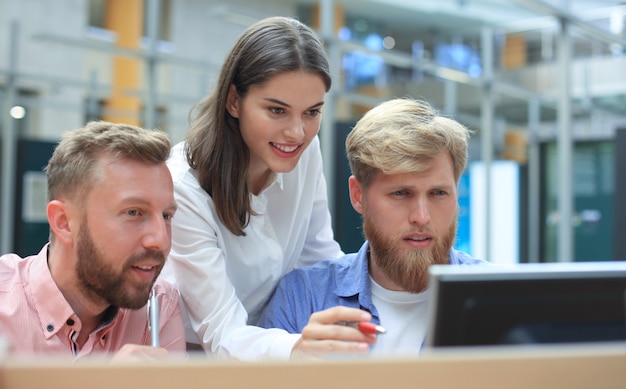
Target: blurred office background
541,83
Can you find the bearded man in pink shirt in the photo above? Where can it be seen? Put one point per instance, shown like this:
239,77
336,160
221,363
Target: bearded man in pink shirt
110,204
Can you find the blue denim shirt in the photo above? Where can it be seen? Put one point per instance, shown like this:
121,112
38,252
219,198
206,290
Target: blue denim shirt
343,281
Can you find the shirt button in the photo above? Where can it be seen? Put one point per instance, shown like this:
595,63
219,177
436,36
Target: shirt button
50,327
69,322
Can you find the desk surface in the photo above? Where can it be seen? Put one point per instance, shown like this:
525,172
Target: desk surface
569,366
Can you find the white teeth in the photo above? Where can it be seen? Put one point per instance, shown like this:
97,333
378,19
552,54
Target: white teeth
145,267
286,149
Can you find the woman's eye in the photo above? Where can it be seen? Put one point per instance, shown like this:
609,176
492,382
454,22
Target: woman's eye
276,110
314,112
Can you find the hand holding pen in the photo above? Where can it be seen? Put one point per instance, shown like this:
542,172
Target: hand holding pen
365,327
337,331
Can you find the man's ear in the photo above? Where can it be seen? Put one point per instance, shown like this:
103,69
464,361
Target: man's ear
59,217
356,194
232,101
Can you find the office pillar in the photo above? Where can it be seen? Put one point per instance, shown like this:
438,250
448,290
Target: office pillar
125,18
534,182
619,226
327,18
9,142
565,245
487,109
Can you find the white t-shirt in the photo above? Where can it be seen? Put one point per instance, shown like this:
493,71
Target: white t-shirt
405,317
226,280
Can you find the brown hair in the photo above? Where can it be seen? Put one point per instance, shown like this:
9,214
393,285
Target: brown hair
215,147
70,170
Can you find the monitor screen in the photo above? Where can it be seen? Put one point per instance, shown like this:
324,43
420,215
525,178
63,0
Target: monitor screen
527,304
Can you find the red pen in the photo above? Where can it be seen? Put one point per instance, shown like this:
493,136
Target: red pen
365,327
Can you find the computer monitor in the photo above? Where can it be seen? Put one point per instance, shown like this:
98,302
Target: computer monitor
527,304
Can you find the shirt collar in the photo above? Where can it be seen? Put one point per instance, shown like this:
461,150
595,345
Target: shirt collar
53,309
259,203
354,279
275,179
108,322
109,316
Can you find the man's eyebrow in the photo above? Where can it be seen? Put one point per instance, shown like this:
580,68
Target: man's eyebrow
144,202
134,200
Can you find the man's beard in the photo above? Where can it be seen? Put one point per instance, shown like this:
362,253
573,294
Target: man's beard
98,278
406,267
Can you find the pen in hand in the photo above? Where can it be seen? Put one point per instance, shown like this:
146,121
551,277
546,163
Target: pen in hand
153,319
365,327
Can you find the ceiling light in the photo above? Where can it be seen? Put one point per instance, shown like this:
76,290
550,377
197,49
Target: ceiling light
389,42
17,112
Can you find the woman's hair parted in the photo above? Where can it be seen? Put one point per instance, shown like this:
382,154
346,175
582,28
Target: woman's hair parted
215,147
401,136
71,171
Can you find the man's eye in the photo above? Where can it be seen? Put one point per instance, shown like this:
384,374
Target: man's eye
132,212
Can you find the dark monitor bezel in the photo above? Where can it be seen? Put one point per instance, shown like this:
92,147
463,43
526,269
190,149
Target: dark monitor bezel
527,304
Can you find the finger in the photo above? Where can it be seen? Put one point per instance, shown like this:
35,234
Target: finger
339,313
316,331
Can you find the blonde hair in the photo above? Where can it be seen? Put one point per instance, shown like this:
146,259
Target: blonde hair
401,136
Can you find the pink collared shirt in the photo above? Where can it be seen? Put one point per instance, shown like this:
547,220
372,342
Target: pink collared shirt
36,319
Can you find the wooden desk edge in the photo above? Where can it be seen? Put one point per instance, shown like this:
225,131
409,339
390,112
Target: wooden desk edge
571,366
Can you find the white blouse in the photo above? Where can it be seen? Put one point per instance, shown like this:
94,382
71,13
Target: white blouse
226,280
